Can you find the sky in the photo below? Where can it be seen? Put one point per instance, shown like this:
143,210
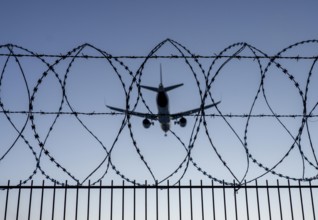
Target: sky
135,28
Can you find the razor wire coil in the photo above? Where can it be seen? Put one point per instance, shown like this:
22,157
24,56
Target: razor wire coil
200,120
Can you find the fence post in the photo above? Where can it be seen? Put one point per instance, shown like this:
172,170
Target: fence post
168,198
279,200
42,195
224,199
180,206
290,201
76,202
123,201
312,201
53,203
301,201
65,196
146,200
7,198
268,200
100,200
157,204
111,201
257,198
30,200
246,200
213,200
235,202
88,197
18,205
202,202
191,205
134,200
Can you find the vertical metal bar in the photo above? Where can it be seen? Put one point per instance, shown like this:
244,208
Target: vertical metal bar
111,201
312,201
202,202
123,201
213,200
168,198
100,201
76,202
301,200
235,201
30,200
180,206
290,201
88,197
65,196
246,200
19,196
224,199
157,205
191,205
7,199
257,198
134,200
42,195
146,200
53,202
280,202
268,200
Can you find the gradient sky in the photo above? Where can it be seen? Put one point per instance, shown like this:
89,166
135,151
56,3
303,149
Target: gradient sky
135,28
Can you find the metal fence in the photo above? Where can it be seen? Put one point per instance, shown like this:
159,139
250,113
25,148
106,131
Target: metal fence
287,201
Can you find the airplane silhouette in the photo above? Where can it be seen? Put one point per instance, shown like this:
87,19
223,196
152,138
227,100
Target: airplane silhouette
164,117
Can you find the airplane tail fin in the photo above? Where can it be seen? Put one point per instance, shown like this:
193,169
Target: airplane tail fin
166,89
160,74
150,88
153,88
169,88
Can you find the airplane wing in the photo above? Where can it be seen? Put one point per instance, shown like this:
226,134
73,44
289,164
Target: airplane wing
181,114
142,115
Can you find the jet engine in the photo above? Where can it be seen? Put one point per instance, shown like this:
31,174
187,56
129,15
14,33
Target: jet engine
182,122
146,123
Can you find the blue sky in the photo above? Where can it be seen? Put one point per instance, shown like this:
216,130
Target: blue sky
135,28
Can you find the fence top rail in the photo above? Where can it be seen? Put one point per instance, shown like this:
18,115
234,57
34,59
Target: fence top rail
122,186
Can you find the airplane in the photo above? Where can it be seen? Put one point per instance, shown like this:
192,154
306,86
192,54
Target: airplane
164,117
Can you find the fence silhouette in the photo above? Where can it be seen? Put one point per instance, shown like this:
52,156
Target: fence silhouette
173,202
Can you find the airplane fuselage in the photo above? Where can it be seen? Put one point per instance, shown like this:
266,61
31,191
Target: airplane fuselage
163,109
